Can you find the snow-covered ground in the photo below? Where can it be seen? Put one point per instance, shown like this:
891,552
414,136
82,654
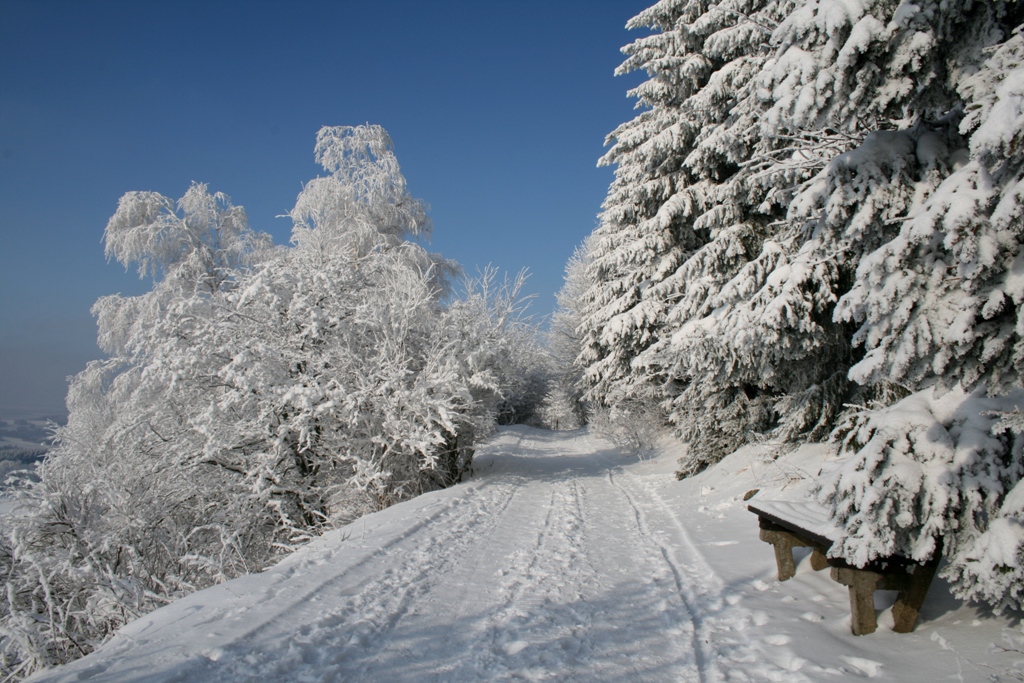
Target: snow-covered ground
562,559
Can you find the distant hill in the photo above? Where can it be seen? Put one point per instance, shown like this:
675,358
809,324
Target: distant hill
23,443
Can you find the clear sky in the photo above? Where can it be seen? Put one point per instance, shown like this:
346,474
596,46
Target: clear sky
498,111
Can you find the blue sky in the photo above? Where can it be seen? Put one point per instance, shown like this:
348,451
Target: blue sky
498,111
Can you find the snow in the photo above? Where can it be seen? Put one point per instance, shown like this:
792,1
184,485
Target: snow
804,513
561,559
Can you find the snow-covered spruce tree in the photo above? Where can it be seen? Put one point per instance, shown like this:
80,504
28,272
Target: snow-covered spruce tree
661,208
731,177
731,184
859,94
752,331
938,301
254,397
938,309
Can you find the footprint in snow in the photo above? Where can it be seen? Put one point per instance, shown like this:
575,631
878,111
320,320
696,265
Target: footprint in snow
865,667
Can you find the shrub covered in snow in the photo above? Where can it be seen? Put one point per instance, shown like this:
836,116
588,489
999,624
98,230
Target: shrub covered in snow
631,425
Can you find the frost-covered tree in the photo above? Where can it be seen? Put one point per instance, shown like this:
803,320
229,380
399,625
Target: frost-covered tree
941,298
497,345
762,352
254,397
202,238
714,214
120,521
564,406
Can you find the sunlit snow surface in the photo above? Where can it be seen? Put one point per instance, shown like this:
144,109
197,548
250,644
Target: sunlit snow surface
562,559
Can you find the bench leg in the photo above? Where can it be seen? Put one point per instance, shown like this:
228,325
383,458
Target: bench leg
783,544
818,560
911,597
862,586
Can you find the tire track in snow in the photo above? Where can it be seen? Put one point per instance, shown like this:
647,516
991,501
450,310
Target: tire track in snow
524,617
535,621
706,667
334,631
395,594
630,623
655,653
722,620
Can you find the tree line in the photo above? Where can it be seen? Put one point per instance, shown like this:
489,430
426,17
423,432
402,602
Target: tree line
814,233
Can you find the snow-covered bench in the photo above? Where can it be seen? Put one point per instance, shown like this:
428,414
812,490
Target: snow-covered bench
787,524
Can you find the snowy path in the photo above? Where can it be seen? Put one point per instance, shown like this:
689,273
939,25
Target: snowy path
561,560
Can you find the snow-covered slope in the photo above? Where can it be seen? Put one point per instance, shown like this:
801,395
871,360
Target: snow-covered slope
562,559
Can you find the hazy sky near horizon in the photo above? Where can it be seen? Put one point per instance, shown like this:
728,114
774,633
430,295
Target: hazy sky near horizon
498,112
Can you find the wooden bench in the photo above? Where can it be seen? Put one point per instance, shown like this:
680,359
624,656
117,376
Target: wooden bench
791,524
